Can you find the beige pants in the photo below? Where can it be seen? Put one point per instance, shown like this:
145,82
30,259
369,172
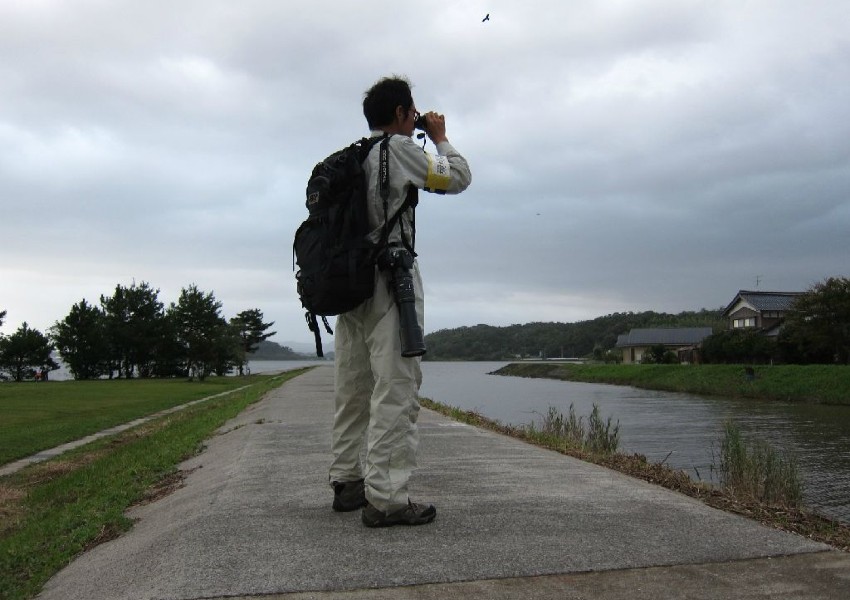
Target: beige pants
376,398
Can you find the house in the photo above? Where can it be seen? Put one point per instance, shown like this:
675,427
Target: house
681,340
759,310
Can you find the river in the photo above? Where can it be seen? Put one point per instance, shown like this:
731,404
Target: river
680,429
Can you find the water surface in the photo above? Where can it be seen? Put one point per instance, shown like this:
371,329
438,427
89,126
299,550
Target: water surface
681,429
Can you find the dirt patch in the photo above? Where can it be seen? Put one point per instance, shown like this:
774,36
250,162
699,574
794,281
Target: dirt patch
10,495
107,533
11,507
166,486
52,469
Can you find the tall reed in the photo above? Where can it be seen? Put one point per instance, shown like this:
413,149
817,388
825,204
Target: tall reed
596,435
755,470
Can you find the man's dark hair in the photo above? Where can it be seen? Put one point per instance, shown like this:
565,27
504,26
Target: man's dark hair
380,101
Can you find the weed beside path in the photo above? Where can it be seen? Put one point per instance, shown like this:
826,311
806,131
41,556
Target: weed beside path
823,384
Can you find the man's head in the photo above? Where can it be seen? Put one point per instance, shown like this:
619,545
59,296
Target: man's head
388,106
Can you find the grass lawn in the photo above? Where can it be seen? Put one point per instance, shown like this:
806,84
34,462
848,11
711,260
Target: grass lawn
37,416
52,511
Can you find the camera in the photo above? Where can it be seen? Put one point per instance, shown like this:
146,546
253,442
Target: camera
398,261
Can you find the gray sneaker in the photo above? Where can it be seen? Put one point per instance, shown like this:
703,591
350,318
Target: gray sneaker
412,514
348,495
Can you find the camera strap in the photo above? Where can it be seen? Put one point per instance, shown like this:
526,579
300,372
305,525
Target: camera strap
410,201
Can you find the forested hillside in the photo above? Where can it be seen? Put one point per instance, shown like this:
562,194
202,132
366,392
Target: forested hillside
267,350
582,339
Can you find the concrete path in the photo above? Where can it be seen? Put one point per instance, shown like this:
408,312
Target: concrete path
513,521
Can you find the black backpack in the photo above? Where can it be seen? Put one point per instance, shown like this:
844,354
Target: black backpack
336,260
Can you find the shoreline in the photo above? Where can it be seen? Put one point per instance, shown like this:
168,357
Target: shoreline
795,520
812,384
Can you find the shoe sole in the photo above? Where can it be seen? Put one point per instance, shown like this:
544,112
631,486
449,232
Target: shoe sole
424,520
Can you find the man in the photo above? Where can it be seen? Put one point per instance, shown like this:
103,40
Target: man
376,387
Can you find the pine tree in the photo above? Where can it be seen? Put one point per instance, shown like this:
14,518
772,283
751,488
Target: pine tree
24,352
251,330
81,340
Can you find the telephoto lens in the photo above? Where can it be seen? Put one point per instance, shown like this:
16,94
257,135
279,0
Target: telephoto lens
398,262
412,340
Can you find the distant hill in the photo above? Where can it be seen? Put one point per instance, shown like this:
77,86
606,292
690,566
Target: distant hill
301,347
569,340
272,351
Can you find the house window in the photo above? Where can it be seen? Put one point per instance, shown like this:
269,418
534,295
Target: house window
748,322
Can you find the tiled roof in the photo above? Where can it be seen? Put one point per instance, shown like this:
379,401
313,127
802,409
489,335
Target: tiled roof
765,300
668,336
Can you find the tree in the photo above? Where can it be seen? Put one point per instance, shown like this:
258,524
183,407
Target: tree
659,355
25,351
2,316
251,330
485,342
201,331
228,351
738,346
602,355
817,330
134,325
169,361
81,340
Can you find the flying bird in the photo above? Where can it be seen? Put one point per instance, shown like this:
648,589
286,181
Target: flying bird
487,18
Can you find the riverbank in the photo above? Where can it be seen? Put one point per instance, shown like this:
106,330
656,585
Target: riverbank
819,384
795,520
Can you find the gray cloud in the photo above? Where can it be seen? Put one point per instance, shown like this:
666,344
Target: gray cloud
643,155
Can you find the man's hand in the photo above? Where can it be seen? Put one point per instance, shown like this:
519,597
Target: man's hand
435,127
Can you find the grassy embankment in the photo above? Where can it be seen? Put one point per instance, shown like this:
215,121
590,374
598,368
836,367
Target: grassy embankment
53,511
823,384
34,417
758,482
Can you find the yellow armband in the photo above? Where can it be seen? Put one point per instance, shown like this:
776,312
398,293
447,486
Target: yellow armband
439,174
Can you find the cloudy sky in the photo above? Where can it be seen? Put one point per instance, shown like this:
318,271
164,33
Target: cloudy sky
627,155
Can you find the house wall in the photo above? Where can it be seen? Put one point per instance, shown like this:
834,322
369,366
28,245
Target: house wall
762,320
741,303
685,354
744,314
634,354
